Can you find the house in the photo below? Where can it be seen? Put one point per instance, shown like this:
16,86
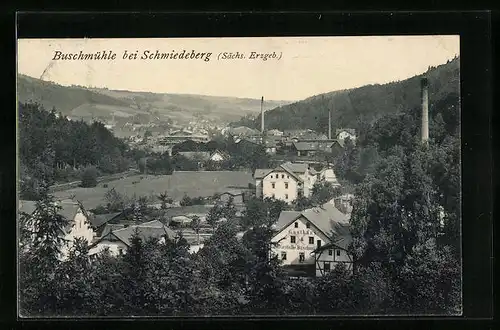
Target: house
117,241
344,133
274,132
271,145
237,195
286,182
304,148
328,175
301,239
79,225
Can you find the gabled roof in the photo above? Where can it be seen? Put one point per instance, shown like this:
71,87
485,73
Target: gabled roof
295,167
327,218
68,209
260,173
286,218
147,230
100,219
305,146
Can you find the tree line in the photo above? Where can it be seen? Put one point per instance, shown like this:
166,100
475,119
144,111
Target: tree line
53,149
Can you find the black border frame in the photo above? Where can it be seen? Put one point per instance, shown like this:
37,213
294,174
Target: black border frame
474,28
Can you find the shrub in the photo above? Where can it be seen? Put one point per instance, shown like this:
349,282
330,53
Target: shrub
89,177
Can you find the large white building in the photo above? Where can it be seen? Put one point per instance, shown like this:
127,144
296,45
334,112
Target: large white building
316,238
79,222
290,180
286,182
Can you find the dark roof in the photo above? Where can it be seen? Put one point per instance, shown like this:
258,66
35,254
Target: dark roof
341,239
98,220
305,146
260,173
147,230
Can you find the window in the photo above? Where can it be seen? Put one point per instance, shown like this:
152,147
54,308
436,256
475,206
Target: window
283,255
120,251
282,176
274,185
286,196
338,253
318,243
292,239
296,225
326,266
311,240
271,176
302,257
286,185
288,177
330,252
308,225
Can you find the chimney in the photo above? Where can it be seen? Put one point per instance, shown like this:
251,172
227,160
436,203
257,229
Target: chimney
262,115
425,109
329,124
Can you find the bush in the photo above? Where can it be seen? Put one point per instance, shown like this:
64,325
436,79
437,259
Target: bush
89,177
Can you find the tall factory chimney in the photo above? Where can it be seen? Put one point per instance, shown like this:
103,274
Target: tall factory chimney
262,115
329,124
425,109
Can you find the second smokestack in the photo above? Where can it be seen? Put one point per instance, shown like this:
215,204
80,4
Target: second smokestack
425,109
329,124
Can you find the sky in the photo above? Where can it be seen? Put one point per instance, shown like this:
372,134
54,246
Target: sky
303,67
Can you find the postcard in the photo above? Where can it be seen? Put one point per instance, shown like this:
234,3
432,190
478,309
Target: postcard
240,176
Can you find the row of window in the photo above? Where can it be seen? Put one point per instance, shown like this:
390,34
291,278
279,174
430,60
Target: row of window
273,184
276,176
302,257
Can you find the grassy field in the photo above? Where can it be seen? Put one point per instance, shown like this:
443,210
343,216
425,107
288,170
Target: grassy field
193,184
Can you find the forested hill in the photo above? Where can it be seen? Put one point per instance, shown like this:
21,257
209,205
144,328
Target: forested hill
86,103
350,108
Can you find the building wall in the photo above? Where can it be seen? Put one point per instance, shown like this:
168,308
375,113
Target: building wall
301,245
81,228
309,181
337,256
279,179
258,188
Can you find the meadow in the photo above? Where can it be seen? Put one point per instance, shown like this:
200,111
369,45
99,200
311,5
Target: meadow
193,184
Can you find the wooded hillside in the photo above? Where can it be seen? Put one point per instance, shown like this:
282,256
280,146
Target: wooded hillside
356,107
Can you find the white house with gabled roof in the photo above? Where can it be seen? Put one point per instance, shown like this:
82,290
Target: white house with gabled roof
286,182
79,224
301,237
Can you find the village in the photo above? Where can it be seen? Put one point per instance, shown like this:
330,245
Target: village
304,240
